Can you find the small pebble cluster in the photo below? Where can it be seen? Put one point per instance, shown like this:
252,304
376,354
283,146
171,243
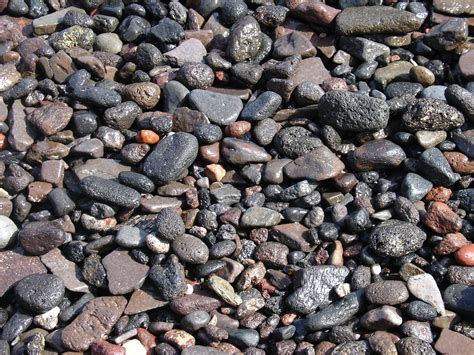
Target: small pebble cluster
236,177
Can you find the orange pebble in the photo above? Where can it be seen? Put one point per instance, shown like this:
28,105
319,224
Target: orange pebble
3,142
465,255
147,136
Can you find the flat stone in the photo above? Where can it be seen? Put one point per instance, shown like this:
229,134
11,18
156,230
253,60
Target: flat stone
364,49
313,286
293,235
21,135
256,217
319,164
189,51
442,219
225,290
65,269
453,342
462,99
50,23
219,108
395,71
424,287
240,152
50,119
93,323
104,168
314,12
15,266
448,35
143,300
124,273
375,19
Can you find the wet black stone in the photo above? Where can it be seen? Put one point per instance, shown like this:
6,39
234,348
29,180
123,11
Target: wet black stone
460,299
104,23
336,313
61,201
136,181
208,133
21,89
97,96
244,338
133,28
40,292
208,268
171,157
421,311
122,116
167,31
264,106
93,271
73,18
434,166
85,122
247,74
155,8
245,39
109,191
16,325
396,238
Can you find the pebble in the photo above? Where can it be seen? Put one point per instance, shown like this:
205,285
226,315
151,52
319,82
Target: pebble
441,116
316,284
171,157
225,290
387,292
221,109
65,269
256,217
336,313
8,230
396,238
383,318
350,112
190,249
169,278
39,293
38,238
458,298
124,273
109,191
244,39
424,287
377,154
465,255
450,341
414,187
94,322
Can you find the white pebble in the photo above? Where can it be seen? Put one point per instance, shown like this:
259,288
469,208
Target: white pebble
48,320
376,269
343,290
134,347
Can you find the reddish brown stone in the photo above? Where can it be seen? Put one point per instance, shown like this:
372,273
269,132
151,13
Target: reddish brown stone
441,194
315,12
15,266
465,255
38,190
333,84
93,323
187,120
6,206
460,162
324,348
440,218
210,153
101,347
143,300
179,338
194,302
238,129
450,342
147,339
450,243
